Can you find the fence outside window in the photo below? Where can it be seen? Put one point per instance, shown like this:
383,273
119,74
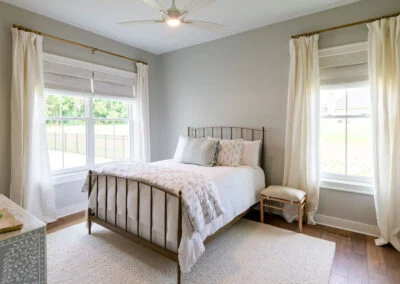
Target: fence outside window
107,146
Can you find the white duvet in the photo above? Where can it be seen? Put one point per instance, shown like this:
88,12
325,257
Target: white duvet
237,187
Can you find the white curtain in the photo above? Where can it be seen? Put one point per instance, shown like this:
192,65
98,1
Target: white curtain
301,169
141,132
384,73
31,182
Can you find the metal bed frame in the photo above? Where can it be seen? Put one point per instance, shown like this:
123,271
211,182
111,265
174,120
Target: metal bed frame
249,134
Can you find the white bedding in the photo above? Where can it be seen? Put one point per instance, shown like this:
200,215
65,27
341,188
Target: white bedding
238,189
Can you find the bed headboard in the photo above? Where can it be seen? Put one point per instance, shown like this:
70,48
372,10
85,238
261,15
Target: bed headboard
230,132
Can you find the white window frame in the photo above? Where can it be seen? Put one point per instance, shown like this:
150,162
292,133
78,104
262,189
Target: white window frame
346,182
346,117
79,173
85,118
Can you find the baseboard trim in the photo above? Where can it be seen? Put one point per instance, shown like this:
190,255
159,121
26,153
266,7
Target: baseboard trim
69,210
348,225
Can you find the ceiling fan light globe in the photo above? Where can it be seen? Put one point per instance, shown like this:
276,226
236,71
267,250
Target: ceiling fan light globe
173,23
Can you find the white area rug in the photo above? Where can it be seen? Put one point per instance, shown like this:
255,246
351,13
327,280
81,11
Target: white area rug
248,252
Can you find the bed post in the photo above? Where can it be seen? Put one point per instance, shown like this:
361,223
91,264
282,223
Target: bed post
188,131
179,235
89,211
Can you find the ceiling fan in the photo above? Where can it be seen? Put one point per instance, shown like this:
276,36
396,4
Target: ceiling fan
175,17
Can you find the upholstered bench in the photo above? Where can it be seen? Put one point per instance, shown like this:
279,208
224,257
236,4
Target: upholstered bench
284,195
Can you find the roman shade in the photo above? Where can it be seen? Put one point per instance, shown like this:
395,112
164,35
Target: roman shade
66,77
86,78
344,64
113,85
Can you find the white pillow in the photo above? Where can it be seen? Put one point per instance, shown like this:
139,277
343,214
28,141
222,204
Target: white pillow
182,141
230,152
251,153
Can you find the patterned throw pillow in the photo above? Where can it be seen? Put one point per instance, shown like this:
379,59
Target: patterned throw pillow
230,152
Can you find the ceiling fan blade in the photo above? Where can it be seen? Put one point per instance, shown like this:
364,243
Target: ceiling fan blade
197,5
154,4
207,26
133,23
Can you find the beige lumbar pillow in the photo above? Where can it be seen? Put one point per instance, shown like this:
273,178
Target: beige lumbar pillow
251,153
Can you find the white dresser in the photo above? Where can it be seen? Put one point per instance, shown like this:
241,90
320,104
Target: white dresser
23,252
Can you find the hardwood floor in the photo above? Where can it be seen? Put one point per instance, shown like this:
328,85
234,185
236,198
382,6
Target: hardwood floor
357,259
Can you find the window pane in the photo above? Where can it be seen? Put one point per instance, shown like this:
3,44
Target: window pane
72,106
121,141
54,142
111,141
358,101
53,105
74,143
102,108
359,141
67,143
110,109
333,146
333,102
120,109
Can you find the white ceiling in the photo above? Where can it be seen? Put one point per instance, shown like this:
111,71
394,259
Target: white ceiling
101,16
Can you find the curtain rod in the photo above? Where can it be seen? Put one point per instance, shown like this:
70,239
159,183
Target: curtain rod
347,25
94,49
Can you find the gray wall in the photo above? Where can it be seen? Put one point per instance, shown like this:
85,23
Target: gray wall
242,81
66,194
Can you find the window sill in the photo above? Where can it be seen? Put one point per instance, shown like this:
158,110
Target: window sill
347,186
69,177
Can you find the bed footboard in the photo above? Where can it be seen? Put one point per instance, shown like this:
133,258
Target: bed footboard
93,214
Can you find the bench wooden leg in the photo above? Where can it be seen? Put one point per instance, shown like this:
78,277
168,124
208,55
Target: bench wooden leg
300,216
306,210
262,209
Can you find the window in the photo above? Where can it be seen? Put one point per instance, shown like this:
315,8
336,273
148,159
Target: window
346,133
83,131
345,110
88,115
